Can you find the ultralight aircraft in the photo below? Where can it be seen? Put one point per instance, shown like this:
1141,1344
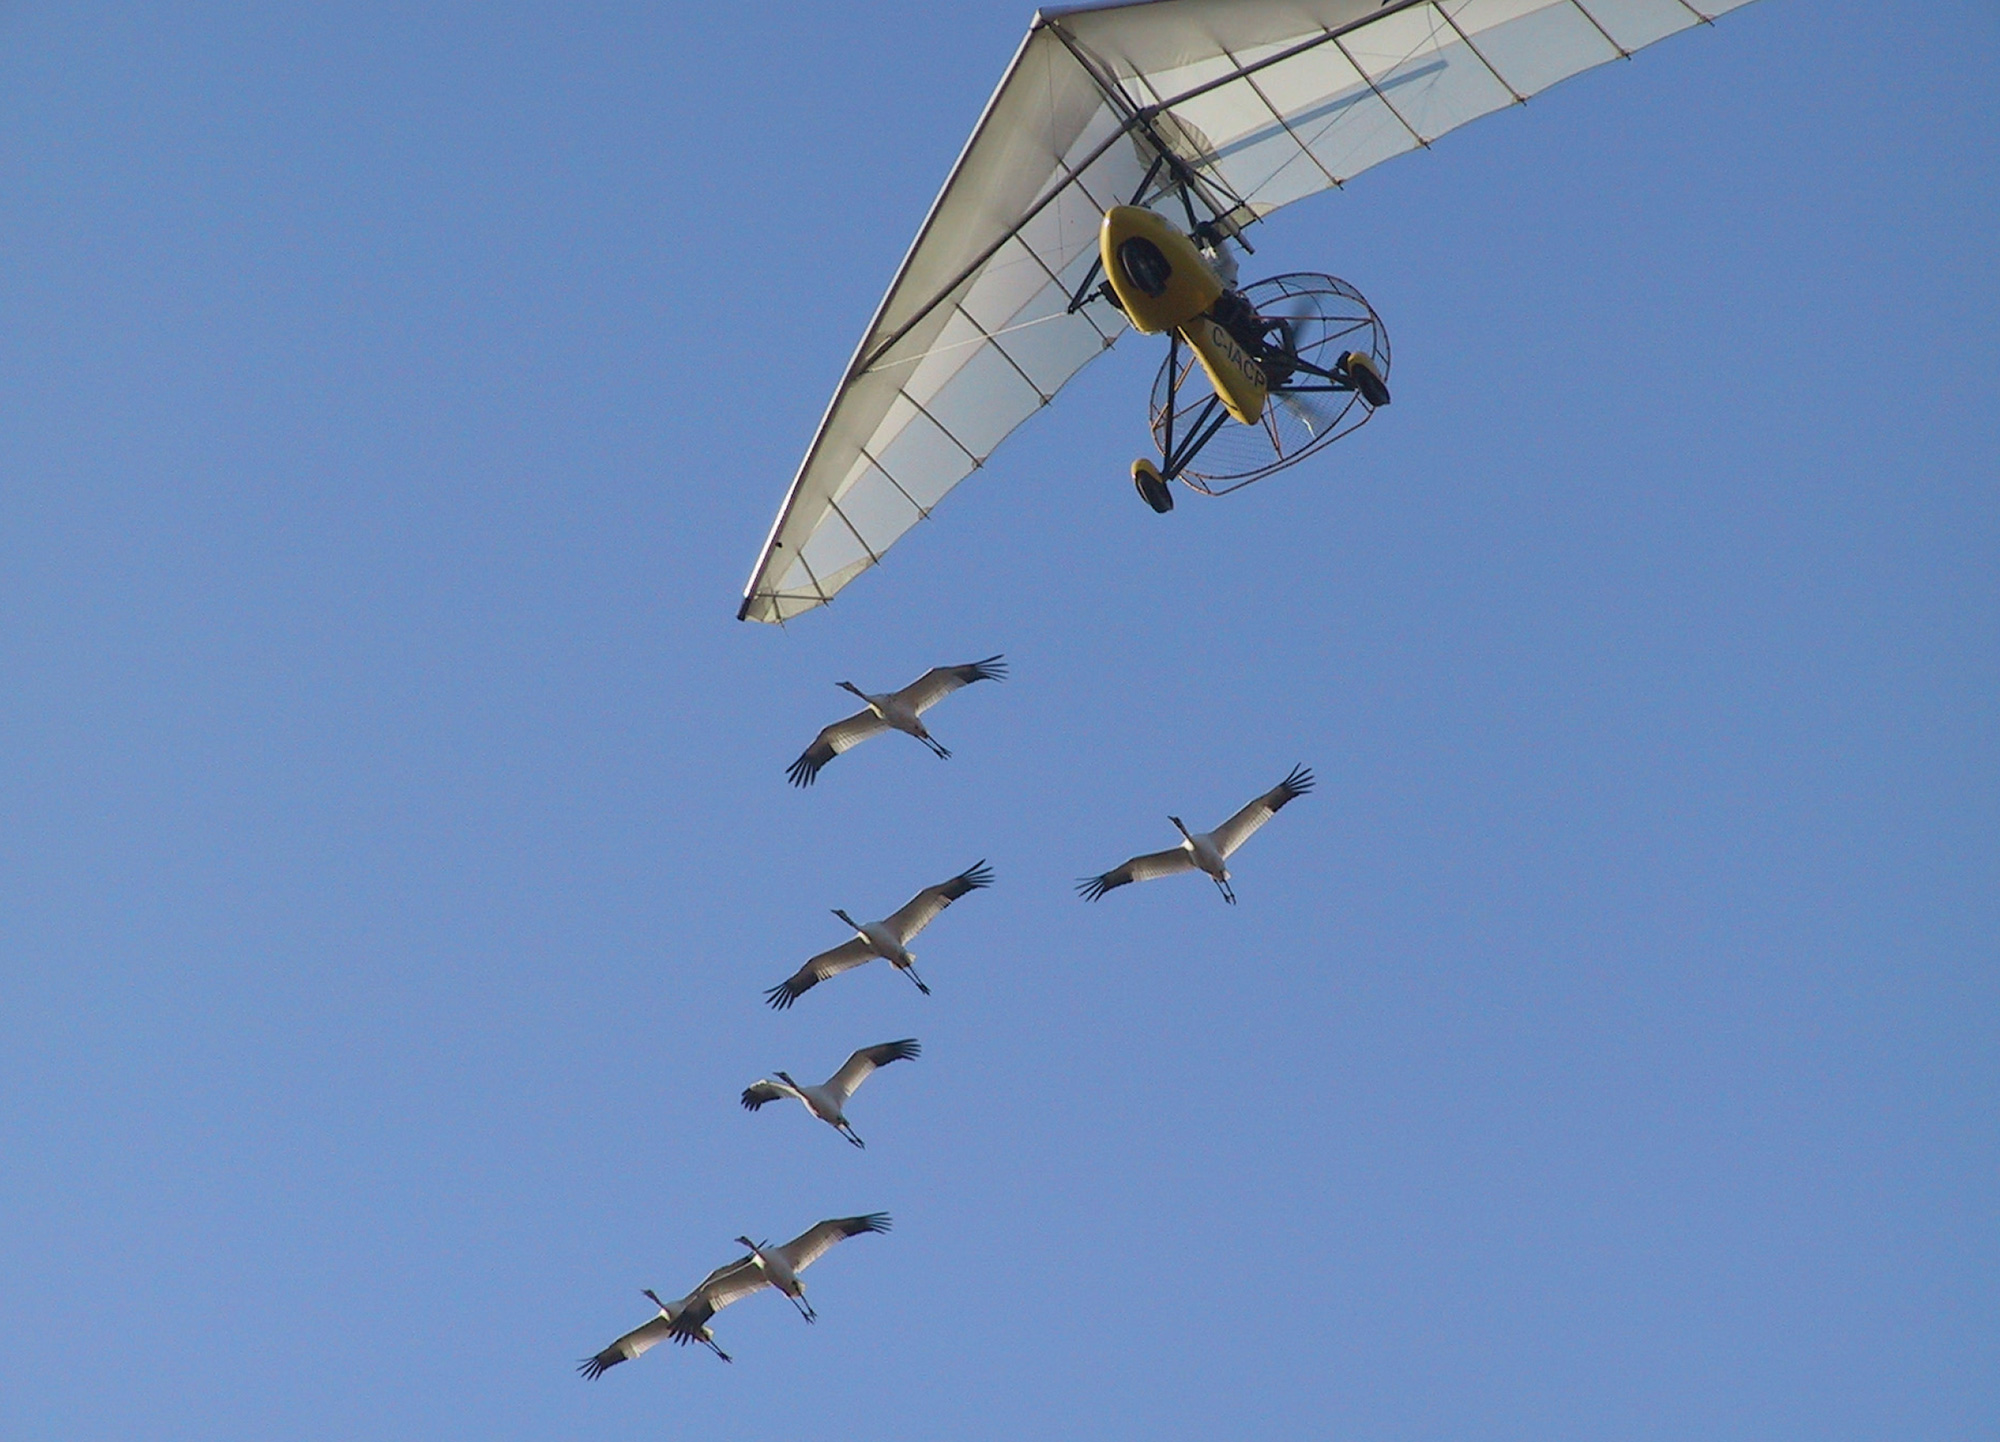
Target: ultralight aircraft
1116,171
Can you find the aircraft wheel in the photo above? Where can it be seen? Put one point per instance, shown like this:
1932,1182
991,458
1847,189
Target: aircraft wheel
1367,380
1152,490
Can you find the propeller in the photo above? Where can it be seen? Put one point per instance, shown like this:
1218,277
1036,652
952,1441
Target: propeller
1307,323
1292,322
1292,319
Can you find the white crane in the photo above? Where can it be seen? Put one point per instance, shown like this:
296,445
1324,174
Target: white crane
896,710
769,1266
887,938
1207,851
828,1101
641,1338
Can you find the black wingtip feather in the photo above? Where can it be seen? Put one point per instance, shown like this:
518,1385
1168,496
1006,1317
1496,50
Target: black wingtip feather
1092,888
751,1101
873,1222
594,1367
689,1325
993,668
976,875
781,996
802,772
882,1053
1299,782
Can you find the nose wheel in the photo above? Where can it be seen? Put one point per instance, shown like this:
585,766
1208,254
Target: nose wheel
1152,489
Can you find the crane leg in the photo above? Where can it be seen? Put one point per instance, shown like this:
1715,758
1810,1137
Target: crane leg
911,973
805,1308
848,1132
1223,886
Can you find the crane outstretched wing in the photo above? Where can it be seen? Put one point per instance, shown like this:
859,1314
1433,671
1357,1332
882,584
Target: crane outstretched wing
845,957
922,909
940,681
1240,827
1140,868
633,1344
859,1067
760,1092
831,741
731,1282
1238,108
813,1243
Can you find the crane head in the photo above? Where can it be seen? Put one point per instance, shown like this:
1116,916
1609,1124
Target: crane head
1181,827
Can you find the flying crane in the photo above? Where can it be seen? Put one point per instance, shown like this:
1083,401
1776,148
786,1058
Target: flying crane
887,938
1206,851
828,1101
893,710
644,1337
769,1266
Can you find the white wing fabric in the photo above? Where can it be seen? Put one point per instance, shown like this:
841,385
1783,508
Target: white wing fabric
1256,103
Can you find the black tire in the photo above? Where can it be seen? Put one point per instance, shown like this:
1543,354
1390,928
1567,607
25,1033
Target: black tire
1367,381
1145,265
1154,491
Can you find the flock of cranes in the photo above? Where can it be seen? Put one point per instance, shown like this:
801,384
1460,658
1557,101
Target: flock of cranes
686,1320
766,1266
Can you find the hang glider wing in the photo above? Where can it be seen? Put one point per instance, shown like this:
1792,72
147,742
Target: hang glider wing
1221,110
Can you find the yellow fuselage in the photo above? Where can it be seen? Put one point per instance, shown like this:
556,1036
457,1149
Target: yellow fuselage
1164,283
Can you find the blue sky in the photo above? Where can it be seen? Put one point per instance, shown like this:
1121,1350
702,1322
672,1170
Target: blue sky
397,839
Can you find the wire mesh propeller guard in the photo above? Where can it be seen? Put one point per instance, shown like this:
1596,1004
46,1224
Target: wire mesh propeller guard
1324,318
